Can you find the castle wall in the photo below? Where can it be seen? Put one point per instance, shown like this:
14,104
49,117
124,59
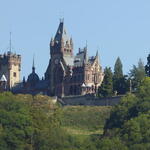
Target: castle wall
88,100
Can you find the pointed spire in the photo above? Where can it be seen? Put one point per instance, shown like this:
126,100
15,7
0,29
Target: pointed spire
10,46
85,54
86,44
33,66
61,34
62,43
24,80
61,20
96,54
71,42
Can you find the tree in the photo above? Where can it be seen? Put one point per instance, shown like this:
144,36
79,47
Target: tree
119,81
121,112
143,91
106,88
129,120
28,123
137,73
112,144
15,123
147,67
118,73
137,130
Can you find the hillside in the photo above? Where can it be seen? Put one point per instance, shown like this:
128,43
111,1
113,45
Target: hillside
85,118
28,122
38,123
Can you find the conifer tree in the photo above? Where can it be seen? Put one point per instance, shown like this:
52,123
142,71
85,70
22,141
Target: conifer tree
118,73
147,67
119,81
106,88
137,73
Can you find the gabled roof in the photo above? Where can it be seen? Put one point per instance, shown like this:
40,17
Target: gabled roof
83,85
3,78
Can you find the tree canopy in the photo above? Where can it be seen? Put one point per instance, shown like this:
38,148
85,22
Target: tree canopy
28,123
137,74
147,67
118,72
120,82
106,89
129,121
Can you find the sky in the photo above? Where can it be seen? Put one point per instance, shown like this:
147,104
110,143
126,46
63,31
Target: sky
113,27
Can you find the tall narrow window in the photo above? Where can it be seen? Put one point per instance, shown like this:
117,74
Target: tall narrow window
14,74
88,77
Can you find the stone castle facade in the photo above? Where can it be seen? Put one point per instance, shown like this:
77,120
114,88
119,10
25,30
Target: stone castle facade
66,74
10,67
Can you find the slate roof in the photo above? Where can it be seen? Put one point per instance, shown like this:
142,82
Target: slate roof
42,84
61,34
33,77
81,57
69,60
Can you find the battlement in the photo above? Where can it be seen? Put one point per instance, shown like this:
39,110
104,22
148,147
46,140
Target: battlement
10,57
10,66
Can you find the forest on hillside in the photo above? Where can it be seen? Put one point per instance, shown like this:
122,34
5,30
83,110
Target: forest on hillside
36,123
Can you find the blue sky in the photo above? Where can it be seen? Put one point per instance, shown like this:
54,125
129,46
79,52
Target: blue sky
114,27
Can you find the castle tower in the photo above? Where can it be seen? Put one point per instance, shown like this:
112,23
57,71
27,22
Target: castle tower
10,67
61,52
62,44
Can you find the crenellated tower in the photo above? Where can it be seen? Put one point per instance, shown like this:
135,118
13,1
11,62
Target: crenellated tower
10,67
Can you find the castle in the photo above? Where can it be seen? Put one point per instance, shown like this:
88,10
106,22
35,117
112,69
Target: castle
10,67
66,74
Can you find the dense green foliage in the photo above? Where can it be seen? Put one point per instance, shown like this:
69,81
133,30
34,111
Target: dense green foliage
120,82
129,121
147,67
116,83
137,74
106,89
36,123
15,123
118,73
30,123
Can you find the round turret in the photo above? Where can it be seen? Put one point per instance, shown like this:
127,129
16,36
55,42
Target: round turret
33,78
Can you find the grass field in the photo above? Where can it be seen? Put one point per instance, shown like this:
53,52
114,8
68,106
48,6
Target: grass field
84,121
75,131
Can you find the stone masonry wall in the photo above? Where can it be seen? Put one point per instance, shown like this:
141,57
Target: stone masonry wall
90,100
